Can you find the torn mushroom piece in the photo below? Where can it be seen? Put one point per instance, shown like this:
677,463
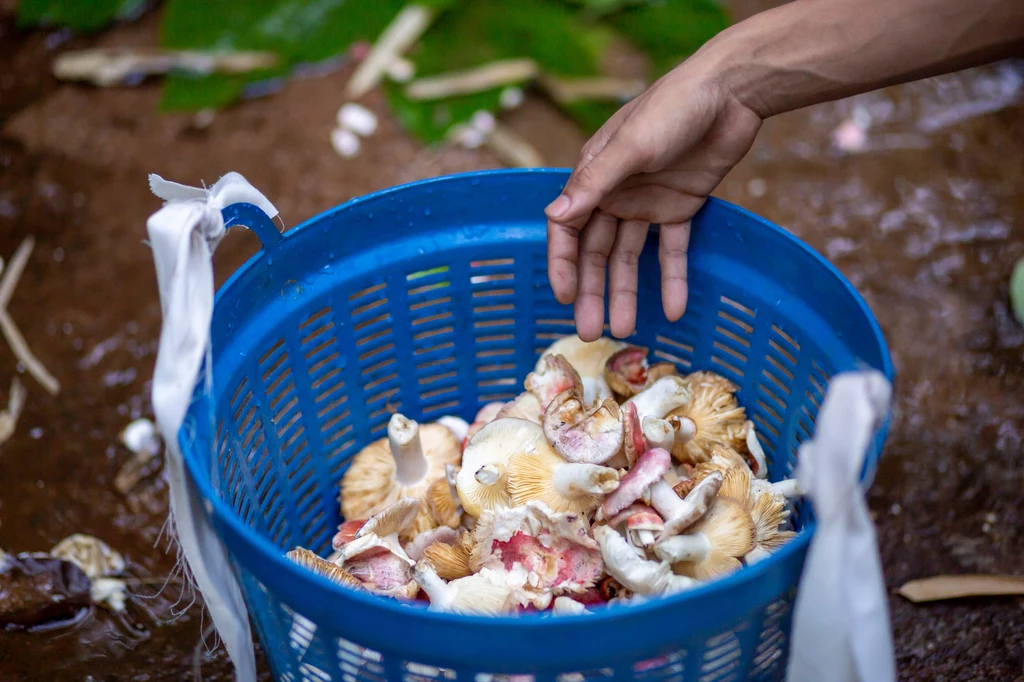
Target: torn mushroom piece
539,553
714,545
760,462
325,569
451,561
443,499
628,373
405,464
567,606
346,532
680,514
647,471
481,483
588,359
441,535
581,435
101,563
475,594
485,416
375,556
643,528
712,417
662,397
525,406
555,376
634,572
563,486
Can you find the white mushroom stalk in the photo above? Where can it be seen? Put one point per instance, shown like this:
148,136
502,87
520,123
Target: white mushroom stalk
635,573
714,545
566,606
407,449
573,480
757,452
680,514
664,395
474,594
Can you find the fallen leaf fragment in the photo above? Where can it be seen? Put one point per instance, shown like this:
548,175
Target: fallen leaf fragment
940,587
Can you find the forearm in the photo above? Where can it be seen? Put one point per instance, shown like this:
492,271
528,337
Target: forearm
810,51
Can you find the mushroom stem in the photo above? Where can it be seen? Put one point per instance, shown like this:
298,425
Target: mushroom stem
686,430
489,474
661,397
755,555
574,479
566,606
680,514
441,594
683,548
645,537
407,449
658,432
633,572
788,488
757,452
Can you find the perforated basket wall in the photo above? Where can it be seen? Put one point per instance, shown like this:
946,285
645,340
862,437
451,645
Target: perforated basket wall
433,299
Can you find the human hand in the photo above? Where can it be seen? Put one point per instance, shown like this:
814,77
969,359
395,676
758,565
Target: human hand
655,161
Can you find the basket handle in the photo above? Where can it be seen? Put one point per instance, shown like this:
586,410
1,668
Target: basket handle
252,217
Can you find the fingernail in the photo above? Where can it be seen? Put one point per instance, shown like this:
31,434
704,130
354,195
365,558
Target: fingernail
558,207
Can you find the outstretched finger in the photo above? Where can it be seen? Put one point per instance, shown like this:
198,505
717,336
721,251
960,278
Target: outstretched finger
622,272
563,252
595,244
673,243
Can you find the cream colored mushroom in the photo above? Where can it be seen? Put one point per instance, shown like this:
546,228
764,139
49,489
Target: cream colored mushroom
567,606
475,594
405,464
443,499
680,514
713,416
376,557
579,434
634,572
482,481
714,545
451,561
326,569
525,406
588,359
563,486
662,397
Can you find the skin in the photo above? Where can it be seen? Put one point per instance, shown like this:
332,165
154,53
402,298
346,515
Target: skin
660,156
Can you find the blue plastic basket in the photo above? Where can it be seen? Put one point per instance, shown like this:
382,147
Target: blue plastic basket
432,299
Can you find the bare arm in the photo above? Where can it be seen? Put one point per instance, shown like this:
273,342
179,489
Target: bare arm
659,157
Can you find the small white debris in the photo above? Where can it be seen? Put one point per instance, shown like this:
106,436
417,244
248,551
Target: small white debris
511,98
470,137
345,142
110,592
141,436
757,187
895,509
95,557
401,70
15,404
483,121
204,118
358,119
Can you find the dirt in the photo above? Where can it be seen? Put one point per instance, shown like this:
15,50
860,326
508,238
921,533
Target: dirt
927,225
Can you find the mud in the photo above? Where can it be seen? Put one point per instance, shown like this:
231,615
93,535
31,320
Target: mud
926,223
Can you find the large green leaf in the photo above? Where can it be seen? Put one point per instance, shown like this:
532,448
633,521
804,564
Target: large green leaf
670,30
297,30
85,16
476,32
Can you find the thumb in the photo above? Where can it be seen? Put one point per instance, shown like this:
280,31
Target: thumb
591,183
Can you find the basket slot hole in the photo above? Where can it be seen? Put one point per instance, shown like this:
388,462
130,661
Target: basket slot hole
433,318
428,395
775,381
821,372
430,333
668,357
775,415
820,388
376,351
329,425
725,365
747,329
317,332
686,348
373,337
388,409
276,383
329,392
432,349
366,307
427,288
287,444
503,322
420,274
805,430
492,262
340,433
734,353
479,310
548,336
432,302
778,365
238,391
437,377
483,279
314,317
273,349
497,397
341,457
495,368
276,398
547,322
493,293
366,324
766,426
736,338
382,396
766,391
782,351
366,292
440,362
510,381
786,337
434,409
291,420
379,366
496,338
326,345
378,382
497,352
304,474
241,408
277,364
292,455
738,306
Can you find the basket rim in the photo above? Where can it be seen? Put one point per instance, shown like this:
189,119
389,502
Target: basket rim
276,561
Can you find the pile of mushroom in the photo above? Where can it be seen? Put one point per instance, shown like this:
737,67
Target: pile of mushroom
608,479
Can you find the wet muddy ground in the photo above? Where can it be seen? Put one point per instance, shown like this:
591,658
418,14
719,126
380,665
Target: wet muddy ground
926,223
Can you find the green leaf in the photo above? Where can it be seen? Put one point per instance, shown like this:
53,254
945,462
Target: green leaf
1017,291
477,32
297,30
81,15
671,30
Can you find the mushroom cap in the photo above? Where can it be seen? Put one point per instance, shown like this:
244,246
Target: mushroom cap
717,417
769,512
525,406
662,397
443,505
555,376
582,435
699,501
588,358
381,565
628,372
346,532
450,561
532,477
370,484
392,520
484,416
495,445
326,569
730,531
645,520
624,515
442,534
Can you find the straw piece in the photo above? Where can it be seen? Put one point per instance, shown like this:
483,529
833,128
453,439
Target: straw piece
15,340
477,79
565,90
940,587
513,149
111,66
403,31
9,417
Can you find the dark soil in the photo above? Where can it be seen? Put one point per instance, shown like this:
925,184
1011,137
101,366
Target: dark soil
927,225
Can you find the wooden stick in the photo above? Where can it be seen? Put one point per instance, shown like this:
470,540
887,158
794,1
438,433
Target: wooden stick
513,149
401,34
15,340
942,587
477,79
564,90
